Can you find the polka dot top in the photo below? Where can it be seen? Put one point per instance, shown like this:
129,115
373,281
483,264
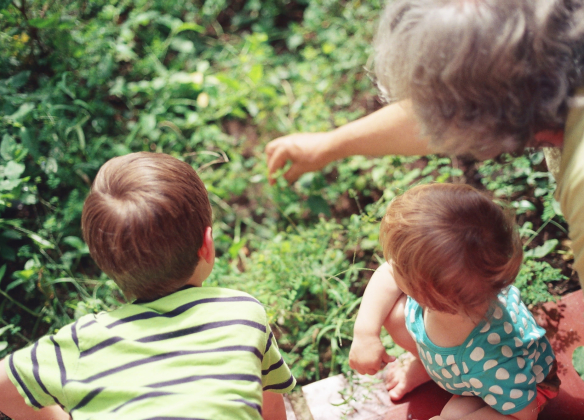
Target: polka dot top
501,360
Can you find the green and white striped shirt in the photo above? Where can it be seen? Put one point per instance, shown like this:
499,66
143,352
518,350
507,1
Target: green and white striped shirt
200,353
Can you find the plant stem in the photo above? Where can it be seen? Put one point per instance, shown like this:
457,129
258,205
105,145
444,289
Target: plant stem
20,305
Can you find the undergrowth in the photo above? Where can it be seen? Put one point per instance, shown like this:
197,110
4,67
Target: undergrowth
211,83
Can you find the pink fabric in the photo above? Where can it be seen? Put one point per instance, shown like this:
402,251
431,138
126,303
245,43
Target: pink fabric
543,396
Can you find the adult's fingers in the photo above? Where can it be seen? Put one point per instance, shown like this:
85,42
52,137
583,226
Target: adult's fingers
276,160
271,146
293,173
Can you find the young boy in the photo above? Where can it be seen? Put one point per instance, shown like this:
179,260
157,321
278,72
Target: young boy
179,351
445,295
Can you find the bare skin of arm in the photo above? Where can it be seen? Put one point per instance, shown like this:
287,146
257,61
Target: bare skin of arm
368,355
12,404
273,407
392,130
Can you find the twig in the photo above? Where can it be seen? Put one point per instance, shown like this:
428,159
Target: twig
20,305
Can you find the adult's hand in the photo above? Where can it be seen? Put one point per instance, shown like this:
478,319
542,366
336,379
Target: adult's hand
306,151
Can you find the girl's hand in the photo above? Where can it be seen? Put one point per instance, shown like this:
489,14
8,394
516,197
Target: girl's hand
368,355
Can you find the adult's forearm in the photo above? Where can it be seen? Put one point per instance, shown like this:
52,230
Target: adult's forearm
392,130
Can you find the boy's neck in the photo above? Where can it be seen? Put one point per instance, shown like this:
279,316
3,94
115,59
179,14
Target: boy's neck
451,330
202,271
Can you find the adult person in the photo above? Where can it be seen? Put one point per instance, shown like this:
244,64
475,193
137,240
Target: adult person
479,78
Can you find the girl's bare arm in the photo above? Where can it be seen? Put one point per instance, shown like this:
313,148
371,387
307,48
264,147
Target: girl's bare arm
367,353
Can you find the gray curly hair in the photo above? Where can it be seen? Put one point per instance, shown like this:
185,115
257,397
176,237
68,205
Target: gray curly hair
483,75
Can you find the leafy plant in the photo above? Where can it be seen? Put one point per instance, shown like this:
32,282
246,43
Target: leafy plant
211,82
578,361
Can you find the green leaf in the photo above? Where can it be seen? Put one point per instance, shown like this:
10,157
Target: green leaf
189,26
578,361
7,147
19,79
182,45
42,242
236,247
4,4
51,166
75,242
3,345
22,112
557,208
13,170
6,328
9,184
2,271
318,205
50,22
523,206
542,250
256,73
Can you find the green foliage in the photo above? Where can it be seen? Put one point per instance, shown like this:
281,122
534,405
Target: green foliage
306,280
578,361
211,82
533,278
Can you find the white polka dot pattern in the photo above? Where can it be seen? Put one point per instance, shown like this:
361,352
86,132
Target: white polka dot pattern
496,389
475,383
520,378
502,374
494,338
516,393
501,361
506,351
490,364
498,313
477,354
491,400
508,406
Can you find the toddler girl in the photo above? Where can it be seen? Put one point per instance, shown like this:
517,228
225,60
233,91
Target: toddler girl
445,295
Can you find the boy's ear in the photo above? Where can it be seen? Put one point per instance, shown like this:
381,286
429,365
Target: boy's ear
207,249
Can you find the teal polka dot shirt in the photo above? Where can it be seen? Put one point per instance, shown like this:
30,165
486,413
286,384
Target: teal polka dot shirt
502,360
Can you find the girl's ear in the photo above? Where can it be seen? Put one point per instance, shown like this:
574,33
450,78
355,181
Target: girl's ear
207,249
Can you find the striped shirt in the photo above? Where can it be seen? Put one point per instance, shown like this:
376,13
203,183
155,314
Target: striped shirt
199,353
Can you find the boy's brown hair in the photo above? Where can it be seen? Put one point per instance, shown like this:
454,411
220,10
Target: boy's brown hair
453,246
144,222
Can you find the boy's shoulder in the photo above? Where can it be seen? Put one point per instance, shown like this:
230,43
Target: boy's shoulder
183,302
201,296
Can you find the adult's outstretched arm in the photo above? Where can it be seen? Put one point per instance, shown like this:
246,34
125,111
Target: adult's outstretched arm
392,130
